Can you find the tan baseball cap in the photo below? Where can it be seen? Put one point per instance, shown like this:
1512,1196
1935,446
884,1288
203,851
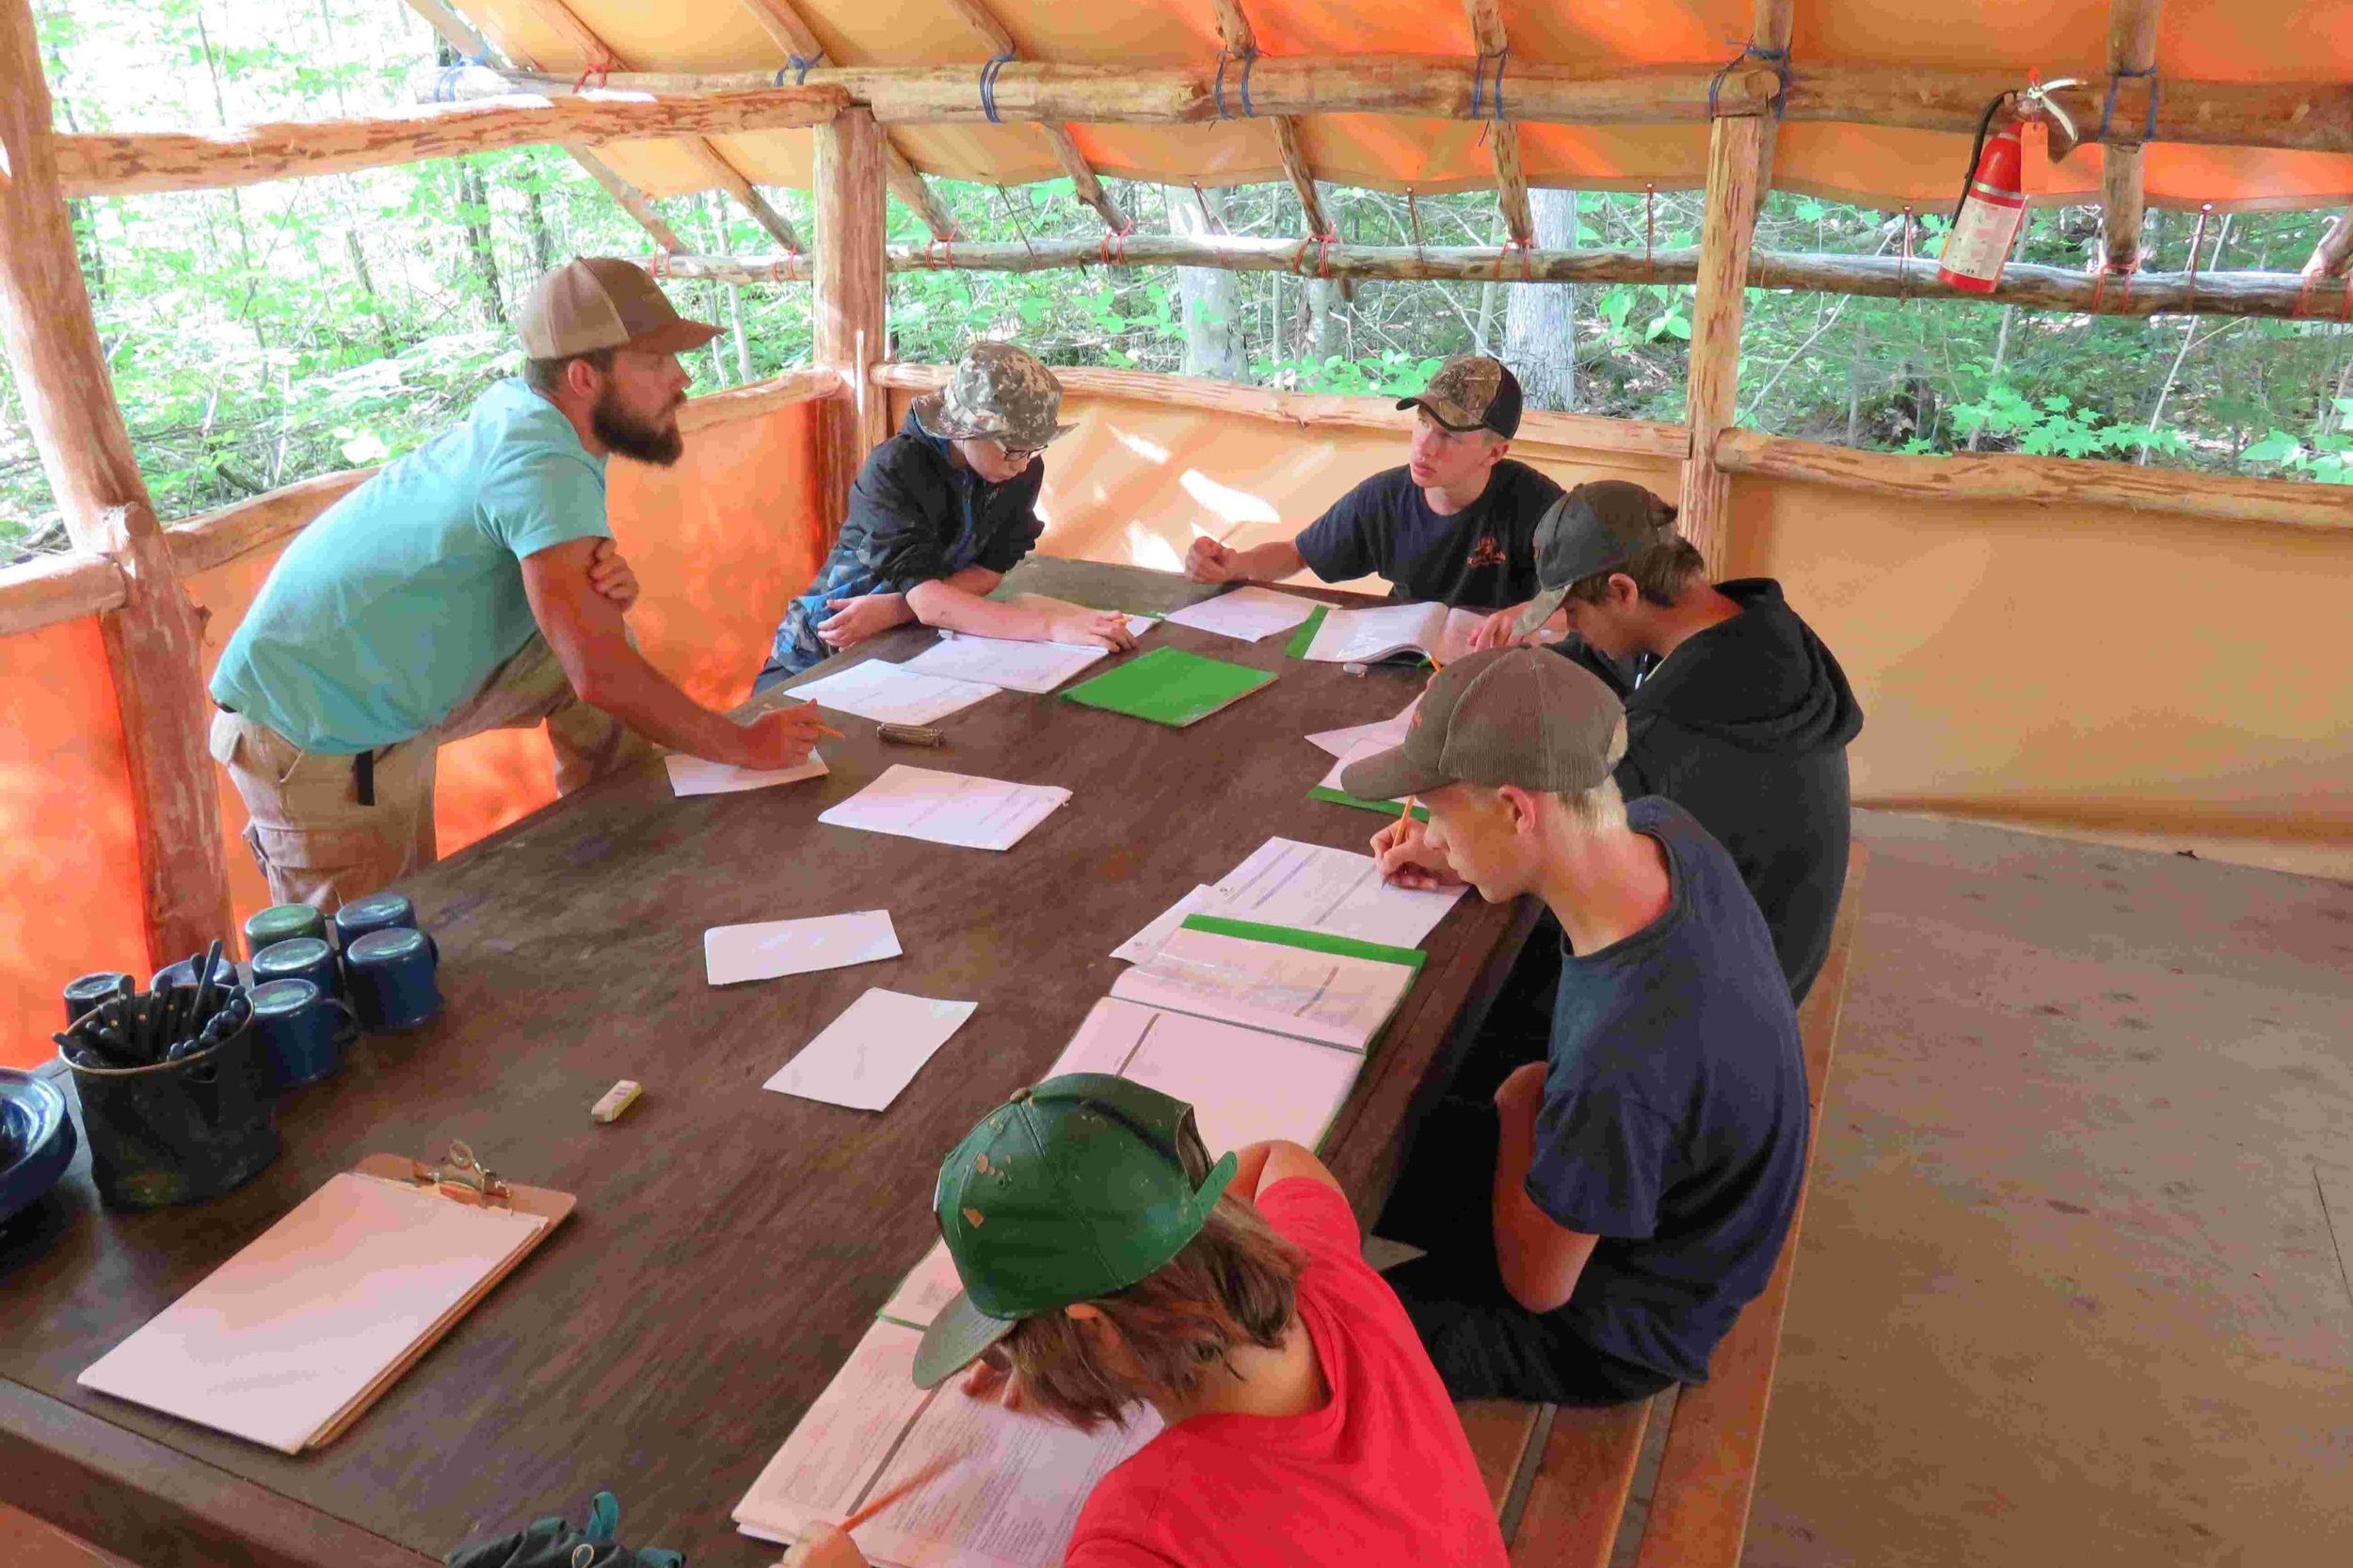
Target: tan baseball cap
1505,715
596,302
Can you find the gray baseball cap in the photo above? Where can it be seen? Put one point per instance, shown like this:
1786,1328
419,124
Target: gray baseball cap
1503,716
995,392
1597,527
596,302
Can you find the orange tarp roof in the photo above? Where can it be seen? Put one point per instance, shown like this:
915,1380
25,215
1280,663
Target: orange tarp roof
2199,39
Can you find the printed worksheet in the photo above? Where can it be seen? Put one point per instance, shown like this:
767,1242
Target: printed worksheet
891,693
1247,614
948,807
1144,943
1387,733
1016,666
824,1469
1335,998
764,950
928,1289
699,776
1316,888
875,1050
1244,1085
1360,636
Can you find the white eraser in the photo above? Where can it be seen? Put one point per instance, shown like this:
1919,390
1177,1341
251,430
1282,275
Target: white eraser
616,1100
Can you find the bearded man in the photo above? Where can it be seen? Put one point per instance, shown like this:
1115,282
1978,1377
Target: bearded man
471,586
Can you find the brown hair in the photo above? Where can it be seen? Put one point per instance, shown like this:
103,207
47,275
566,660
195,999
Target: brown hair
544,376
1662,572
1234,1284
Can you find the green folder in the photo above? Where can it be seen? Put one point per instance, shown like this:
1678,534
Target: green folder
1304,638
1169,686
1386,807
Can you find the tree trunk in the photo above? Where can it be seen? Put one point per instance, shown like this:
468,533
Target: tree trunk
1540,319
1490,297
1210,298
367,286
2001,351
535,225
475,201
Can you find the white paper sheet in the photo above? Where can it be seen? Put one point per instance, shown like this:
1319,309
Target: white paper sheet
1389,733
1016,666
1144,943
928,1288
1244,1085
1333,998
1009,1500
1247,614
1137,625
875,1050
699,776
891,693
948,807
1363,635
767,949
824,1467
273,1344
1317,888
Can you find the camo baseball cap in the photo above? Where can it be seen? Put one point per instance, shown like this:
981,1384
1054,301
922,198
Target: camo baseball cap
997,391
594,302
1471,391
1597,527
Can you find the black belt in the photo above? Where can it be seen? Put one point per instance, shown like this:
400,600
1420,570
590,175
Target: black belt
362,768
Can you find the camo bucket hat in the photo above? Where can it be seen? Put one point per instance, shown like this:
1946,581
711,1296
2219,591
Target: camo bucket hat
997,391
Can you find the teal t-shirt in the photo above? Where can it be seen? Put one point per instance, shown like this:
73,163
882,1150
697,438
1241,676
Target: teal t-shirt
408,594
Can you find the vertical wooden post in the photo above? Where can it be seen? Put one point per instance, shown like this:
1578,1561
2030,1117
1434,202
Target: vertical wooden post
1735,152
849,297
2131,47
151,641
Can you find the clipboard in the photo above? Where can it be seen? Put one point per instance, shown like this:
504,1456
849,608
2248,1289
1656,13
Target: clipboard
264,1348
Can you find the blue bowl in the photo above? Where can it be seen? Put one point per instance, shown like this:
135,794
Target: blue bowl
36,1139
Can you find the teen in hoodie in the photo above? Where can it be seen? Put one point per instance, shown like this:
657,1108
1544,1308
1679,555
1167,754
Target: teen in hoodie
1741,717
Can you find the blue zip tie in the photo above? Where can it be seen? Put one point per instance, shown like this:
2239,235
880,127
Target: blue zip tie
1249,110
799,65
1478,80
2149,132
1777,58
988,86
445,84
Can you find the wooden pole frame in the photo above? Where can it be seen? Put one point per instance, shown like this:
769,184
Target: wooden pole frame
2131,53
1002,48
154,652
1242,43
1503,137
1727,229
851,305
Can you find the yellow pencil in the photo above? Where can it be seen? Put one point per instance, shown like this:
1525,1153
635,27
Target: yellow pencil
928,1473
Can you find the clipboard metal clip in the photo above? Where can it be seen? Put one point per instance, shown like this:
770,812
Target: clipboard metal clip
461,1175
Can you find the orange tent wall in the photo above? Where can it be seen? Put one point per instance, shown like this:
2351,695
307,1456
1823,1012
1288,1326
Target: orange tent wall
745,495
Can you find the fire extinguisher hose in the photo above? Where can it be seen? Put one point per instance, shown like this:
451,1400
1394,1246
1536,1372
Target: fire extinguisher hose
1977,148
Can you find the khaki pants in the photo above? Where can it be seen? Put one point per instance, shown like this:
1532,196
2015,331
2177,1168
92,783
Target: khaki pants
318,845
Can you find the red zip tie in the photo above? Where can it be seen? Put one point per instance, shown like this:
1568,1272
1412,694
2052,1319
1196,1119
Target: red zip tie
1323,253
1121,240
660,266
1526,250
600,70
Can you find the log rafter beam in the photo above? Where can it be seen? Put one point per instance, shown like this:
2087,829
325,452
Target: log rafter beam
470,44
1770,27
1083,179
1503,137
1241,41
2131,51
2299,116
805,50
599,58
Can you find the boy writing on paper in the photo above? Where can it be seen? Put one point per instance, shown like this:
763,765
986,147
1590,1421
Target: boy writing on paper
1595,1222
471,586
1109,1264
939,514
1456,525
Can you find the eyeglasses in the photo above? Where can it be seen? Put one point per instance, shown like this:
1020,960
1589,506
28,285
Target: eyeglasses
1024,455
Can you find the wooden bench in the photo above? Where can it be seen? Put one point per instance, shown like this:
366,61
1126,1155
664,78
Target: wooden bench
1561,1477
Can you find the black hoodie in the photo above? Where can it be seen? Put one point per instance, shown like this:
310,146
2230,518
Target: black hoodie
1745,725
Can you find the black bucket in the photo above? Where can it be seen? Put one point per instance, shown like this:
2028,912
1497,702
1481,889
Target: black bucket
178,1131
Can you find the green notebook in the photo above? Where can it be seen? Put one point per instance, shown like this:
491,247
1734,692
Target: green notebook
1386,807
1169,686
1304,638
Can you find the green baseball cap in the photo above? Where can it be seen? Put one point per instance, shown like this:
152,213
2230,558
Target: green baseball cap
1503,716
1599,526
1070,1191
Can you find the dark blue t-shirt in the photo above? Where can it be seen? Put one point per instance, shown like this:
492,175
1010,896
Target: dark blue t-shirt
1482,557
1673,1124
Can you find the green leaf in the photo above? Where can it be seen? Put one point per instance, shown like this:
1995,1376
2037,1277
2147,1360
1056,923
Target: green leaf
2277,447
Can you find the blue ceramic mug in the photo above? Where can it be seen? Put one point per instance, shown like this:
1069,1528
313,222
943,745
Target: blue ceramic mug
304,1032
183,973
391,973
86,991
376,912
299,958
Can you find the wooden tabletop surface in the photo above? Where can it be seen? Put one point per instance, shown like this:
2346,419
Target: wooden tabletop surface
731,1245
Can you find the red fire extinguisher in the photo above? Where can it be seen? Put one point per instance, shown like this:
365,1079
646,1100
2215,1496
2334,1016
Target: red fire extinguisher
1993,205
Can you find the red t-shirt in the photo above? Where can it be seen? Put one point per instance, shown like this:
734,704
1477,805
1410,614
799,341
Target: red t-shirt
1381,1475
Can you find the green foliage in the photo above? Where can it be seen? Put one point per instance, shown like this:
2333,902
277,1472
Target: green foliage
2327,456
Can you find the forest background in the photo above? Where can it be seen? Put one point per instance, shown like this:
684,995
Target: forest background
260,335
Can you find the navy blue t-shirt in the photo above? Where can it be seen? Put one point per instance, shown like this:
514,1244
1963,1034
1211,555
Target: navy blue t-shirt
1673,1124
1482,557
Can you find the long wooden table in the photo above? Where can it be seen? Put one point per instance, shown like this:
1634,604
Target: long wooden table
731,1245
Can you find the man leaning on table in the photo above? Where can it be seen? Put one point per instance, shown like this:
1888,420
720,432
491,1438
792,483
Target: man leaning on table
471,586
1455,525
1597,1222
939,514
